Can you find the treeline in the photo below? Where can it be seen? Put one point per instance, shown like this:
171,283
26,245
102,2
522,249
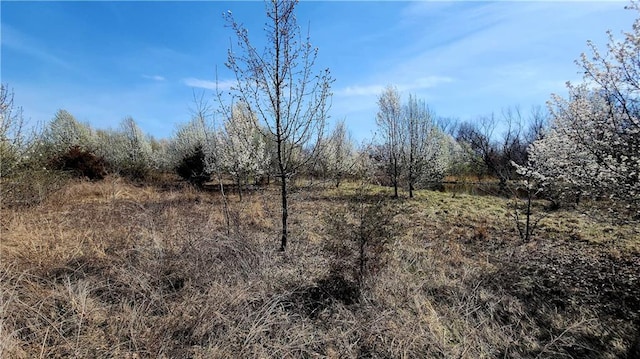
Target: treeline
587,144
414,148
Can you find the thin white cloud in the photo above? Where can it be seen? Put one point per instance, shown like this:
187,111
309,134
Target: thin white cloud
360,90
19,41
209,85
505,53
154,77
420,83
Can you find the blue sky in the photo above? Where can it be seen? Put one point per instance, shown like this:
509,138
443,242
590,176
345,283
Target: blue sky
104,61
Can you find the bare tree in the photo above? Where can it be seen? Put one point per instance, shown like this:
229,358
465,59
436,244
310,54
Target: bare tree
389,120
280,86
13,140
538,124
496,153
448,125
476,139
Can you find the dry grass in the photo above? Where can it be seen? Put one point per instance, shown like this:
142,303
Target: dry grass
110,269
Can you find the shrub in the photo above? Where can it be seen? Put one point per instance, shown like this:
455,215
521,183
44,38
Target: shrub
193,167
29,186
81,163
15,140
359,238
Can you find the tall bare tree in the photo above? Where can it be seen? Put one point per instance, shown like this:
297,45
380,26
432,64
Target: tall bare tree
279,84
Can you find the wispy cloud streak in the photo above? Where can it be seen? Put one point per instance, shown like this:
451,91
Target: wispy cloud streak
421,83
12,38
154,77
207,84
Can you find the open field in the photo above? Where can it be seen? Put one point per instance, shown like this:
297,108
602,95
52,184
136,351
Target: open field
111,269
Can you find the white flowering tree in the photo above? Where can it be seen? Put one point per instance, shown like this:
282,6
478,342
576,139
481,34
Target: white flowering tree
243,147
440,154
338,154
107,142
160,155
389,121
65,131
194,149
127,150
594,140
414,148
424,148
458,161
187,138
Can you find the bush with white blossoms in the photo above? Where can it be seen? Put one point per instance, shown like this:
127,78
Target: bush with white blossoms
127,151
337,158
160,160
437,158
242,146
65,131
187,138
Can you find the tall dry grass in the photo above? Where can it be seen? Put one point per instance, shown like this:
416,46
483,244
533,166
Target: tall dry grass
116,270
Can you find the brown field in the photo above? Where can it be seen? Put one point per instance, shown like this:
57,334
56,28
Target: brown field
116,270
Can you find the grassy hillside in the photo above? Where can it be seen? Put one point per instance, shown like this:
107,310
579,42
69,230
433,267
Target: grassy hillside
109,269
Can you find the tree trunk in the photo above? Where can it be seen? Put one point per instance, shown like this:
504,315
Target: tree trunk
227,216
363,243
528,221
285,214
395,178
411,177
278,84
502,185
